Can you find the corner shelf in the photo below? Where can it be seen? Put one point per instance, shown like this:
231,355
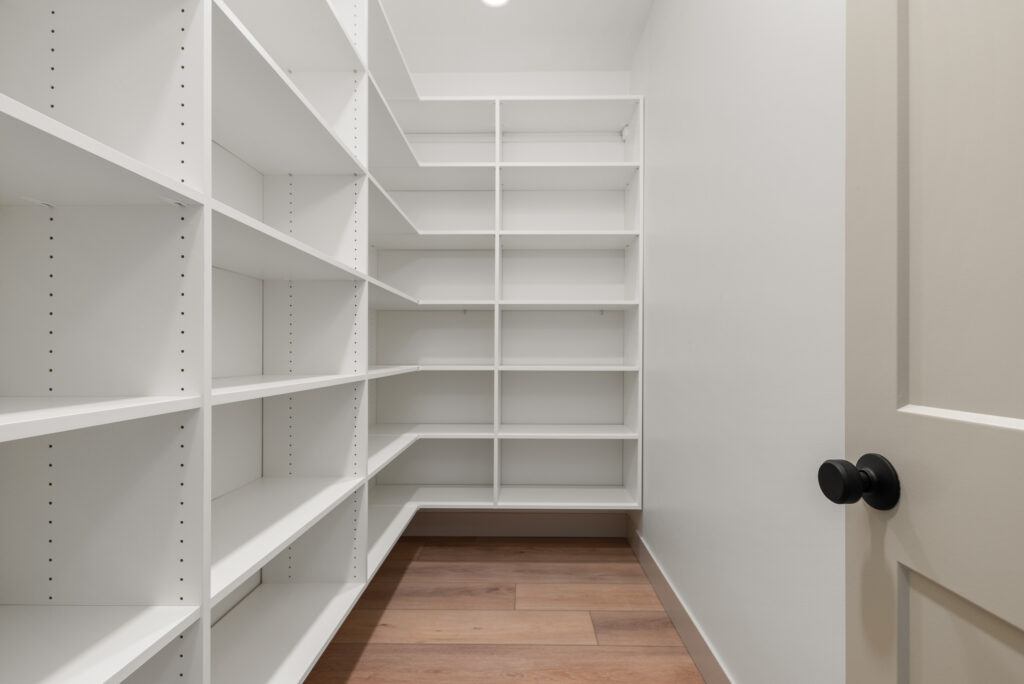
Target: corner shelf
538,431
84,643
567,176
277,633
253,523
560,497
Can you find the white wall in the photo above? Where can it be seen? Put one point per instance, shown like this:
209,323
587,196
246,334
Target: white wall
744,328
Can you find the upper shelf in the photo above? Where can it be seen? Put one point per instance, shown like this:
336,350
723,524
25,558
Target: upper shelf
388,144
567,115
247,246
302,35
444,115
259,114
43,161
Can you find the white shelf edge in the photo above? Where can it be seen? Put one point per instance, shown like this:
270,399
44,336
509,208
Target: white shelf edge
566,368
224,575
33,633
393,121
244,388
22,113
568,432
565,497
276,634
377,372
380,547
286,241
36,419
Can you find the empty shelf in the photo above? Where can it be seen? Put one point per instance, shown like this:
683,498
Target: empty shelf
277,633
386,525
68,644
22,417
567,432
560,176
552,497
246,387
470,176
253,523
567,115
376,372
570,368
567,305
567,240
383,296
247,246
433,496
428,241
47,162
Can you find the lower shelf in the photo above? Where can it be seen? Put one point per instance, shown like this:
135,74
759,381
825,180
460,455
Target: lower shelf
253,523
69,644
277,633
22,417
567,497
244,388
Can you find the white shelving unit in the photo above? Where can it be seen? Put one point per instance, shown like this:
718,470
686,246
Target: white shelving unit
263,303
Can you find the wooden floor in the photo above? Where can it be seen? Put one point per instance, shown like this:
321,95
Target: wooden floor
508,610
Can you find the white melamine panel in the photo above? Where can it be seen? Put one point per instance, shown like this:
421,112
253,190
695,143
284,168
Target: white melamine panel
260,115
448,212
236,183
130,76
310,327
433,496
339,100
437,177
46,162
566,337
387,522
564,275
181,660
330,551
562,462
441,116
442,397
555,398
245,387
564,211
572,130
563,147
385,57
237,452
385,216
101,301
237,325
442,462
233,598
329,213
568,176
79,644
439,275
289,622
434,337
319,432
567,497
432,148
104,516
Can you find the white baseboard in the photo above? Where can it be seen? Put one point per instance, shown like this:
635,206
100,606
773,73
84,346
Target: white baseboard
702,653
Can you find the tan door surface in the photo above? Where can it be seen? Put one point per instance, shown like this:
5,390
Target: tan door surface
935,339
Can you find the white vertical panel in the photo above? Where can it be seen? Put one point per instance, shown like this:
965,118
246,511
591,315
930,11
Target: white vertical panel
237,448
237,324
310,326
313,433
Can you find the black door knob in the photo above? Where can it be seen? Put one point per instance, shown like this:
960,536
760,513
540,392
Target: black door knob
873,478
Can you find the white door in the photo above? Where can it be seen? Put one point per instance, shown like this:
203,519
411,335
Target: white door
935,339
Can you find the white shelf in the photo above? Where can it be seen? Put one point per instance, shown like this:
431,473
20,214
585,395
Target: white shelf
84,644
453,116
243,388
456,305
506,431
388,145
567,241
376,372
447,367
386,525
559,497
437,177
568,176
567,115
383,296
22,417
259,114
568,368
253,523
386,217
250,247
433,241
277,633
567,305
389,440
433,496
47,162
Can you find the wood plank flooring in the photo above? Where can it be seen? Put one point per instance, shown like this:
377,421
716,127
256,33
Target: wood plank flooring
475,610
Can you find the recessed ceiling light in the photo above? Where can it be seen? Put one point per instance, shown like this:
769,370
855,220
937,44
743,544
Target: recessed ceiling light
495,3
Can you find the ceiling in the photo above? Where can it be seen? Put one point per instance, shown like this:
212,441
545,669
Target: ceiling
524,35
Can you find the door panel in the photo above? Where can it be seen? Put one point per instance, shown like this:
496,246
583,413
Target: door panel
935,337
